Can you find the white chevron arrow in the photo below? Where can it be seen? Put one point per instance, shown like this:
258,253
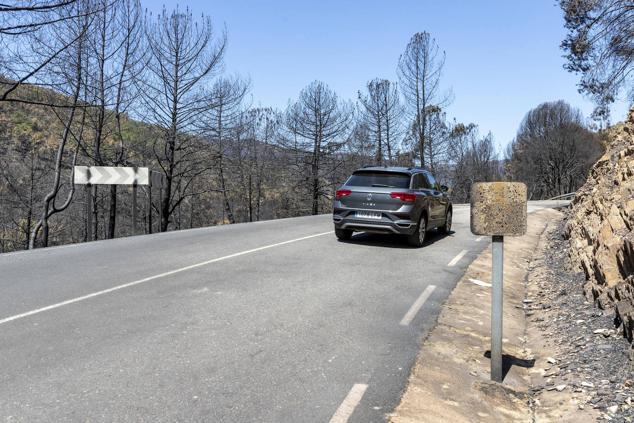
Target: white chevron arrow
109,175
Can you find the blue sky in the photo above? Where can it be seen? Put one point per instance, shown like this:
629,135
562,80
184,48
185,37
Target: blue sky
503,57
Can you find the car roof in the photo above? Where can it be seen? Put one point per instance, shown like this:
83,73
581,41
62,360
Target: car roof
397,169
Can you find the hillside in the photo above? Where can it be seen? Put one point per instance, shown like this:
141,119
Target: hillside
261,178
29,138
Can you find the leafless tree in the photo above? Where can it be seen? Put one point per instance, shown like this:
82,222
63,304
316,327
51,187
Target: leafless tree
381,112
185,54
222,117
471,158
436,147
419,70
599,47
360,149
319,124
23,171
115,62
23,16
28,22
265,128
461,138
69,68
553,150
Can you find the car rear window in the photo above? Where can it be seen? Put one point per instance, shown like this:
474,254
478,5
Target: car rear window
379,179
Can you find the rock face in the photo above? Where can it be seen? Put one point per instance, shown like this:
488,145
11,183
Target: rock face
600,227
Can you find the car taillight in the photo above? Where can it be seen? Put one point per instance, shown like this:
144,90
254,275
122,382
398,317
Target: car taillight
404,196
342,193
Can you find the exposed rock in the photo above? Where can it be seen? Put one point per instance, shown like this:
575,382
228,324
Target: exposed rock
600,228
590,362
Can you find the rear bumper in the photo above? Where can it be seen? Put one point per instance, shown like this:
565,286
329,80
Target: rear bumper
390,223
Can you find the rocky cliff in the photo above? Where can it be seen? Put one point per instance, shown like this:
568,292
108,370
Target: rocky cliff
600,227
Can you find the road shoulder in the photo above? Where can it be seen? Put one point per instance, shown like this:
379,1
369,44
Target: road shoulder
450,380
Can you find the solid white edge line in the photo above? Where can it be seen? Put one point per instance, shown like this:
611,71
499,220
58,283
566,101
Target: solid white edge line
413,310
349,403
456,259
150,278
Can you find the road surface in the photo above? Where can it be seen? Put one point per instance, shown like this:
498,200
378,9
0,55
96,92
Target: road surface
273,321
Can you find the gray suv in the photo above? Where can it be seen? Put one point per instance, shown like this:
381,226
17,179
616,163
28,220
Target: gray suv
394,200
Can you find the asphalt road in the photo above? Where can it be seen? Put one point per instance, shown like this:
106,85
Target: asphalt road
265,322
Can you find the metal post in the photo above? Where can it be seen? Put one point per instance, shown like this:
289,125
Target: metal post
496,308
149,208
160,229
88,206
134,211
88,212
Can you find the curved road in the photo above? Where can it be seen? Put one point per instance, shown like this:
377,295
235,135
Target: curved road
273,321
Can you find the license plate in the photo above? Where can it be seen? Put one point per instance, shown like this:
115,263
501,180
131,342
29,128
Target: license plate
368,215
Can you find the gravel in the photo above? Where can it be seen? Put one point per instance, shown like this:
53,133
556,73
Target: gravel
592,357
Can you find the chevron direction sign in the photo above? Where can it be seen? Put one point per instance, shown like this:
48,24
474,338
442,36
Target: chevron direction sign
108,175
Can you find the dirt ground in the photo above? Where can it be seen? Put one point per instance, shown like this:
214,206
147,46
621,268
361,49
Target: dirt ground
450,380
588,364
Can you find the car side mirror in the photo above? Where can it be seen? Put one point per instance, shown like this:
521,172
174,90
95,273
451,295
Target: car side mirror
444,188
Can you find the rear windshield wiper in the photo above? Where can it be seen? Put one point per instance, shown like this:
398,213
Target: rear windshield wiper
382,186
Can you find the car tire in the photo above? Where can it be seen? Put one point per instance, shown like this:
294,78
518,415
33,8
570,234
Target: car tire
417,239
446,228
343,234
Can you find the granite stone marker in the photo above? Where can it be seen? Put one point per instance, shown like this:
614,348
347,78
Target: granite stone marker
498,209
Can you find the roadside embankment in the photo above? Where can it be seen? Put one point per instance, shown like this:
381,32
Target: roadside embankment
601,227
450,380
582,368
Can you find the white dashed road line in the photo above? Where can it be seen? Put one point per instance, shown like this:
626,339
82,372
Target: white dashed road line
479,282
456,259
348,405
413,310
151,278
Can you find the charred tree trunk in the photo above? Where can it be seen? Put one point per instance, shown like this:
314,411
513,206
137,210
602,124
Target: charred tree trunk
225,198
315,176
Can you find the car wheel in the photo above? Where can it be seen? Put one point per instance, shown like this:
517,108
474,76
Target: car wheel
343,234
417,239
446,228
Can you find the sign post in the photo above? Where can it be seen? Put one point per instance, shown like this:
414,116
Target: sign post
134,211
497,296
498,209
149,209
157,179
88,212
